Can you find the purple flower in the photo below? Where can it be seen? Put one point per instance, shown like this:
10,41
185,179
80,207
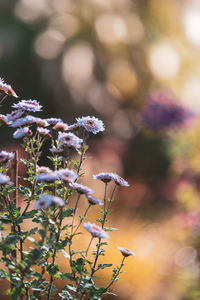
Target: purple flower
53,121
24,121
162,111
107,177
91,124
95,230
6,89
16,114
28,105
4,179
81,189
125,252
45,201
6,156
21,132
47,177
93,201
67,175
69,139
44,132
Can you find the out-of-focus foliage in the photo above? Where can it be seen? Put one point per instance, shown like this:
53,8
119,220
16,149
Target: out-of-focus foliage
102,58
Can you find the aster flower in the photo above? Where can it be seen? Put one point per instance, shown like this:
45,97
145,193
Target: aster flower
105,177
6,156
45,201
67,175
47,177
21,132
56,150
7,89
53,121
93,201
16,114
95,230
91,124
125,252
162,111
60,126
80,188
44,132
119,180
73,127
42,169
28,105
28,120
42,122
69,139
4,179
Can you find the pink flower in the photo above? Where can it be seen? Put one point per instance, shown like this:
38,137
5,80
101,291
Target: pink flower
42,169
4,179
44,132
47,177
16,114
125,252
67,175
60,126
6,89
95,230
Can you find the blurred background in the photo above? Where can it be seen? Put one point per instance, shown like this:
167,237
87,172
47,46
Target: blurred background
109,58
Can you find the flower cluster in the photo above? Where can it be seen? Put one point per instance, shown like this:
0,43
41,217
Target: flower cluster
52,189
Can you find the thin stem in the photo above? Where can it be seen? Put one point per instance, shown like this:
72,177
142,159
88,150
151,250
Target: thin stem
54,253
75,208
118,272
82,218
86,252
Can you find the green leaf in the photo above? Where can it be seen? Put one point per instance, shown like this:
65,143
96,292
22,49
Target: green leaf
103,266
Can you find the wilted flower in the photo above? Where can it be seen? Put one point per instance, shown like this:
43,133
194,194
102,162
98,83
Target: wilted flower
56,150
28,105
24,121
125,252
42,169
91,124
67,175
4,179
6,156
42,122
95,230
53,121
6,89
21,132
69,139
47,177
81,189
44,132
93,201
45,201
60,126
162,111
16,114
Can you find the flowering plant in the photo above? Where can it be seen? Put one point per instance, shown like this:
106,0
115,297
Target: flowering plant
47,194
